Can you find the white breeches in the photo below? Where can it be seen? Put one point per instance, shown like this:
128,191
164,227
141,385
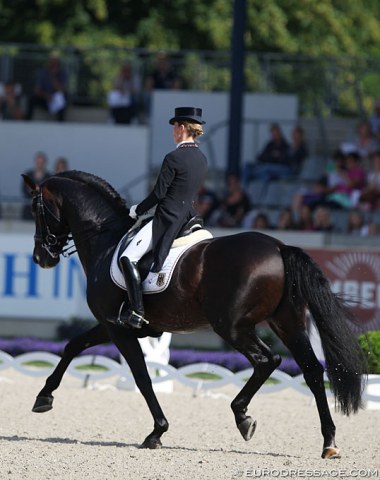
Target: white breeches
141,244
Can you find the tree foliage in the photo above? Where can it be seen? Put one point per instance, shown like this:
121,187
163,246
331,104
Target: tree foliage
323,27
326,40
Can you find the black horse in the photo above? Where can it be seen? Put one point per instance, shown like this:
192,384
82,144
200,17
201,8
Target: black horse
231,283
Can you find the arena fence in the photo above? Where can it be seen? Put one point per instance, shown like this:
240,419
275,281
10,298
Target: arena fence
198,376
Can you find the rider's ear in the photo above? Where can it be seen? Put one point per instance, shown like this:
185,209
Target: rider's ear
29,182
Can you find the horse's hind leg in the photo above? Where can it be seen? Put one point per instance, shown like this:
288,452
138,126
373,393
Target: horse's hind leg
297,341
264,363
94,336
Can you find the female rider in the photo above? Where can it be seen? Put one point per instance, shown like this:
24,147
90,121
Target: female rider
182,173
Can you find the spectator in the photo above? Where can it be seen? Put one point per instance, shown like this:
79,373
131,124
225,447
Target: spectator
338,188
38,174
206,204
50,91
61,165
10,103
305,219
322,219
272,163
261,222
344,189
356,225
298,150
324,185
233,206
364,144
285,220
163,77
123,98
370,195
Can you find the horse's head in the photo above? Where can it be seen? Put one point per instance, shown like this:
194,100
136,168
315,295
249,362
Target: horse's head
52,232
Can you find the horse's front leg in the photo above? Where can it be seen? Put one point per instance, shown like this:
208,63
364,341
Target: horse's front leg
95,336
130,348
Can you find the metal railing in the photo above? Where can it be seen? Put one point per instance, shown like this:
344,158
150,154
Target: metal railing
331,85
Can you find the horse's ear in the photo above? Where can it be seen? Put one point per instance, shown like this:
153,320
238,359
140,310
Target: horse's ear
29,182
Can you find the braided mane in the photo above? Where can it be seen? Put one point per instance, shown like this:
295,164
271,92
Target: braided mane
100,185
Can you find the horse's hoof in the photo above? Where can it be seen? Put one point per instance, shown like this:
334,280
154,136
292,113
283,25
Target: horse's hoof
331,452
43,404
247,428
151,443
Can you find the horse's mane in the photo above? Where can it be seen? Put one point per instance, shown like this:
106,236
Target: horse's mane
100,185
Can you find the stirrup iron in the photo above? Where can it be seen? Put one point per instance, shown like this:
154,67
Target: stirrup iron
132,319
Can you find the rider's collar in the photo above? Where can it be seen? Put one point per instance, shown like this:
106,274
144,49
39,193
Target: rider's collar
186,143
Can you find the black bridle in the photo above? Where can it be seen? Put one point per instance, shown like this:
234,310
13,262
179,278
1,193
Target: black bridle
52,243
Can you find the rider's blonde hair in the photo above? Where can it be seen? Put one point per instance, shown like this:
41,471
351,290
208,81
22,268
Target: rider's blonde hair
194,129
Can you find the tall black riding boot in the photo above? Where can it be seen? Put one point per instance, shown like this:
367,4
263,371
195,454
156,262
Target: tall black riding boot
132,312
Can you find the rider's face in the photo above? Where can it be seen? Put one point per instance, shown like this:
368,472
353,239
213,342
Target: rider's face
177,132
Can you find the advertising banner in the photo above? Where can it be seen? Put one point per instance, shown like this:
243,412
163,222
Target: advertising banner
355,274
28,291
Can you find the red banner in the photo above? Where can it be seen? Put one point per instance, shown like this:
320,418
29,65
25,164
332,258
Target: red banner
355,275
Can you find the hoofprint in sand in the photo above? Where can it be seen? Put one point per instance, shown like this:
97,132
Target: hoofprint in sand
95,433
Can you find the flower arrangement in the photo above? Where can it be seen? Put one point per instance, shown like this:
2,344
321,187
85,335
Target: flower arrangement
231,360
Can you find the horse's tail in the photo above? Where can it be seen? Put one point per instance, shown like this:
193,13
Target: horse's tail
307,286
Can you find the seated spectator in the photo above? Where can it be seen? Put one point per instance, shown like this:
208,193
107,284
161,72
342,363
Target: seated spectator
233,206
370,195
61,165
10,103
261,222
317,194
50,91
206,203
356,225
305,219
298,150
343,190
38,174
162,77
322,219
272,163
364,144
340,187
123,98
285,220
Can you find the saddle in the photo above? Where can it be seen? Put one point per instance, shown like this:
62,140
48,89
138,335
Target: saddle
144,264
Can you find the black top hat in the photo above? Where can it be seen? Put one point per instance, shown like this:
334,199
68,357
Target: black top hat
190,114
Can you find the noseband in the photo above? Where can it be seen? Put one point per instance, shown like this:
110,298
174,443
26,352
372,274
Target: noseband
53,244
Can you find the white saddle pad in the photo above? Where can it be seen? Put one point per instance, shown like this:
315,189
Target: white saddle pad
158,282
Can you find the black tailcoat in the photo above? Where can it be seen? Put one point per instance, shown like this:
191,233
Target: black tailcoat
182,173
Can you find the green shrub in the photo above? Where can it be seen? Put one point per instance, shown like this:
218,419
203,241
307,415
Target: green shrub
370,344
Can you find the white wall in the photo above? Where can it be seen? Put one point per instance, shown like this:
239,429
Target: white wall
266,108
123,154
118,154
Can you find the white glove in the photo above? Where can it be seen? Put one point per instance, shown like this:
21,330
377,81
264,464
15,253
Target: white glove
132,212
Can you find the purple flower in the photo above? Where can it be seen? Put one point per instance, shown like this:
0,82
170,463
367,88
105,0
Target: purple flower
231,360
